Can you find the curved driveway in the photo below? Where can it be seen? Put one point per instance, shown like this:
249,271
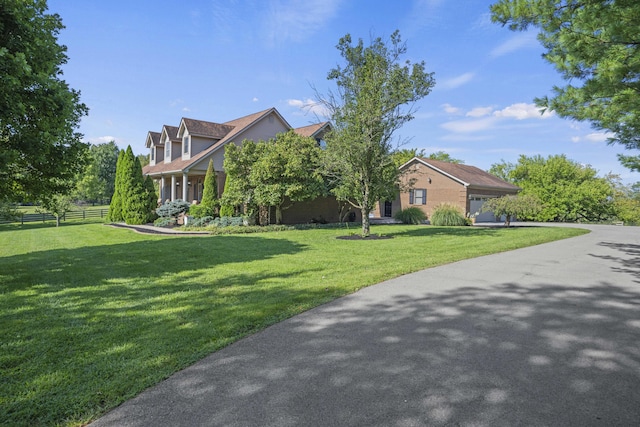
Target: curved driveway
546,335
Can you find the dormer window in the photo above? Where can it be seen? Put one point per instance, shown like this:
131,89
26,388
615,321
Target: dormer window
167,150
153,153
185,144
321,143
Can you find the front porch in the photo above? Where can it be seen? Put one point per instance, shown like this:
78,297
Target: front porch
186,186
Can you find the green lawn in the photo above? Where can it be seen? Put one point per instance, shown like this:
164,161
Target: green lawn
91,315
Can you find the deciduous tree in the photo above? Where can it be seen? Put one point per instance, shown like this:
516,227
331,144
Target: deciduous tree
40,151
287,170
374,98
595,46
570,191
238,190
57,205
97,182
522,206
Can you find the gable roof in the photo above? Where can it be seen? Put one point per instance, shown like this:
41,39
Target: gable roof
469,176
153,138
236,126
203,128
312,130
171,132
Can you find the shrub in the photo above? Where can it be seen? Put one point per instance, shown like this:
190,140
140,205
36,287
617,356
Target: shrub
228,221
201,222
164,222
412,215
210,200
173,209
226,210
447,215
199,211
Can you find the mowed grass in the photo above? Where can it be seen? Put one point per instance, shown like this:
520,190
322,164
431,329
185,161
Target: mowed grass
92,315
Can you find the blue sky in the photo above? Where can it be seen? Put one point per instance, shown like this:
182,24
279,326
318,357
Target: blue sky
141,64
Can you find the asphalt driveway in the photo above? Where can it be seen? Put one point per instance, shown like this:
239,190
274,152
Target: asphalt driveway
547,335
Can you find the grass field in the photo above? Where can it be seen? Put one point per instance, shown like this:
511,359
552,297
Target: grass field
91,315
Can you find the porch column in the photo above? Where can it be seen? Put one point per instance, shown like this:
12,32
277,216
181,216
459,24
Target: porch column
173,187
163,189
185,186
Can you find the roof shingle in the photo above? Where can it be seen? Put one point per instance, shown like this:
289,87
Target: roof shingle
470,175
207,129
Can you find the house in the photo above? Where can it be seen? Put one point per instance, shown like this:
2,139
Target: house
179,157
434,182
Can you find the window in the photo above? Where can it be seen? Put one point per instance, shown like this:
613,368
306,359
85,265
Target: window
185,144
418,196
167,149
153,152
321,143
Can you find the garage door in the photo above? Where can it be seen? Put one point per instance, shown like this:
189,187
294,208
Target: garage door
475,204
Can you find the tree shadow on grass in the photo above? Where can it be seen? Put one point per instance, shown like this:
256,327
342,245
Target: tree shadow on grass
91,326
541,354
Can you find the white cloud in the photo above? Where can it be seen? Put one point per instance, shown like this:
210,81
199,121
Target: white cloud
480,112
521,111
291,20
186,109
458,81
309,106
423,14
484,22
447,149
103,139
485,118
517,42
255,99
448,108
598,136
468,126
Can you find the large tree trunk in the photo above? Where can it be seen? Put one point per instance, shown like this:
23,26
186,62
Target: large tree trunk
366,226
278,214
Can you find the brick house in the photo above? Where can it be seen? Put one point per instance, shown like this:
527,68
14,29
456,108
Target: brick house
436,182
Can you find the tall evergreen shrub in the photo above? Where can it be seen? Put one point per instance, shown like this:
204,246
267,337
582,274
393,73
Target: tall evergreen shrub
115,207
227,207
210,200
135,205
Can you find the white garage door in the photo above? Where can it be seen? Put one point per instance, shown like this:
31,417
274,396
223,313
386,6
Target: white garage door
475,204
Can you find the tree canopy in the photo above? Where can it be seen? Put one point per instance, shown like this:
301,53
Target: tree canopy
97,182
523,206
374,98
568,190
278,172
40,151
595,46
287,170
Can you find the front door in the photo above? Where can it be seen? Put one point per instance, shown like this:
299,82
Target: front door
387,209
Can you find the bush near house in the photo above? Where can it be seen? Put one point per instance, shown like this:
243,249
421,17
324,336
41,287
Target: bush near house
170,211
447,215
412,215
